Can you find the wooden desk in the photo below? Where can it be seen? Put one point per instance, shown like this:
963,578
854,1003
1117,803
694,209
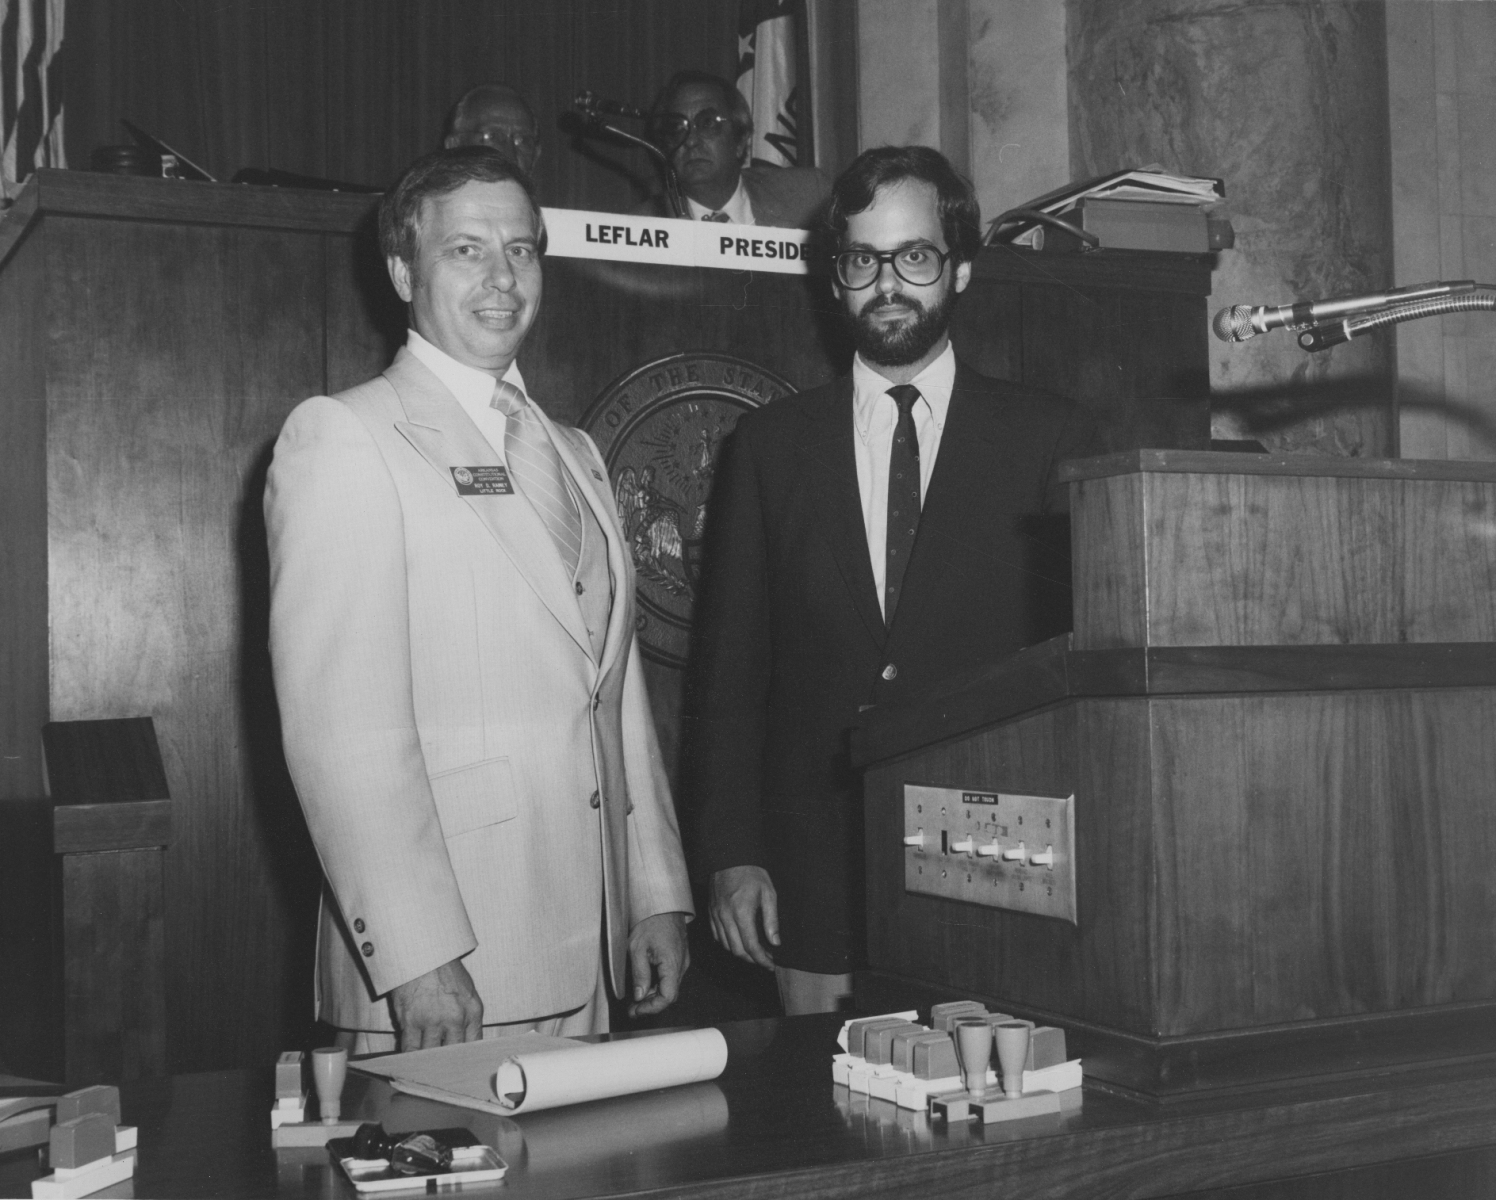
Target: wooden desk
774,1125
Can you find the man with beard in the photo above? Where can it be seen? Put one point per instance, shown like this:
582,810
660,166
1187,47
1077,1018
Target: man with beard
867,539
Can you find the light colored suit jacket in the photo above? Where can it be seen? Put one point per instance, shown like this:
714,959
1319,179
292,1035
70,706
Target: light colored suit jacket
475,782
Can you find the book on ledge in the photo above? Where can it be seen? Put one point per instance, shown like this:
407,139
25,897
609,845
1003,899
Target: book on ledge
1137,183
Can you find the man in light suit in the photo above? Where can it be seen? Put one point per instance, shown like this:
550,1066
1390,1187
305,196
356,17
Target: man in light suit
705,126
452,618
868,540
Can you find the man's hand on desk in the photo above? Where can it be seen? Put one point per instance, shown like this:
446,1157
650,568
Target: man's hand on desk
438,1008
658,959
740,897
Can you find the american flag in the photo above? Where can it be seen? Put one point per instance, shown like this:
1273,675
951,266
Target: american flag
30,89
766,77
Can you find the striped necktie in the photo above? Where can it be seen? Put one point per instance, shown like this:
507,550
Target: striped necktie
903,497
536,467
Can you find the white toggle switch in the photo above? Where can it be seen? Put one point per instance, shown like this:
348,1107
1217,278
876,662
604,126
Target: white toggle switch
964,846
915,839
991,850
1015,855
1045,858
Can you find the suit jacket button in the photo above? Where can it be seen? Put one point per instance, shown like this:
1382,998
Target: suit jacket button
368,949
580,588
596,800
890,672
596,701
358,925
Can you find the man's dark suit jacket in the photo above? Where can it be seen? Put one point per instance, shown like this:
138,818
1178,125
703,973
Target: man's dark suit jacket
791,643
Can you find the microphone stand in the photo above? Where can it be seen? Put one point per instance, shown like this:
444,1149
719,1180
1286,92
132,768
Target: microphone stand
595,123
1333,333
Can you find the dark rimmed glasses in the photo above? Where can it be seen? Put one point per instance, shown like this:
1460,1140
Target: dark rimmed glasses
920,264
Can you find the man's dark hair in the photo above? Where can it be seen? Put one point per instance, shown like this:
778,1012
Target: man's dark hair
439,174
737,104
857,186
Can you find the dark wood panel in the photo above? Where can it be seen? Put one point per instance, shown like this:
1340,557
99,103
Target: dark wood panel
104,762
1185,274
1194,462
1322,855
1051,671
1305,559
23,531
1101,968
177,352
1135,360
28,990
114,965
131,825
599,321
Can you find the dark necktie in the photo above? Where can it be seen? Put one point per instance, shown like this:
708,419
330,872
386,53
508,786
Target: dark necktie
717,216
903,497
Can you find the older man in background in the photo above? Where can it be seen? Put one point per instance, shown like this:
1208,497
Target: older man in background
704,125
496,115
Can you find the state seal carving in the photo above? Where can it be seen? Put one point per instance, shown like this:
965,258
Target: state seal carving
660,428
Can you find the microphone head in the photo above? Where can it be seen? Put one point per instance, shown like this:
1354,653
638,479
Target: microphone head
1234,324
584,101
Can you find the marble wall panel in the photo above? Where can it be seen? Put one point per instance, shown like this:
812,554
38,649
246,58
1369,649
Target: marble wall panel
1288,103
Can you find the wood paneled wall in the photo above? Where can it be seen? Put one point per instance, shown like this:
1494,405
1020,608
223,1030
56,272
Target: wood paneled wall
356,89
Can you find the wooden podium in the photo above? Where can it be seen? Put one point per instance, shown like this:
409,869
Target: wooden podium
1277,717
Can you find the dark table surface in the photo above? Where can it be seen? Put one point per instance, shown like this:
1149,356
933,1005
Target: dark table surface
775,1125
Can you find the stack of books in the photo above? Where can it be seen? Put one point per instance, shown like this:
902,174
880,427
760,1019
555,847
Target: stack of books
1138,209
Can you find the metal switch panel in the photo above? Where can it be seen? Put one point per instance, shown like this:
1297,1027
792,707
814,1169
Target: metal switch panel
991,848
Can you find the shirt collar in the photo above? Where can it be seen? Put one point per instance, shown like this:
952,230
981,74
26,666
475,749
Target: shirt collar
935,384
739,211
472,388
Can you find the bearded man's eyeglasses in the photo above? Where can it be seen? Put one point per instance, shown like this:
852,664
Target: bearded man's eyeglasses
920,264
672,128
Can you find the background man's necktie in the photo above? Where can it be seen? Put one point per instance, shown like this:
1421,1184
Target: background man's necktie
903,497
536,468
716,216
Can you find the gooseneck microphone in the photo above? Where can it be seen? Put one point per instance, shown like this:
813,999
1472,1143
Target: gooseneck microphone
591,102
1245,321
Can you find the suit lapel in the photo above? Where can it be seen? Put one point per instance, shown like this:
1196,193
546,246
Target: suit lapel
443,435
834,470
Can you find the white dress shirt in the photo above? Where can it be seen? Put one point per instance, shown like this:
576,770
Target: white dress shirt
472,387
874,415
739,211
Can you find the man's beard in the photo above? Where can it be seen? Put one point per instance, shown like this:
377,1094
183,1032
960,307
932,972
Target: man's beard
905,343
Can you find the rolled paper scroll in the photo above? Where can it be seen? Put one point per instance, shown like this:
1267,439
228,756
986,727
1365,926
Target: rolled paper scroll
541,1079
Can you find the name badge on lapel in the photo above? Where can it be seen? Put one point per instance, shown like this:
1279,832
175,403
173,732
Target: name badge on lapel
482,481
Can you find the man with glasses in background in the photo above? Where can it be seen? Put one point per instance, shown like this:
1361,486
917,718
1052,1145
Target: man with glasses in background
868,539
705,127
496,115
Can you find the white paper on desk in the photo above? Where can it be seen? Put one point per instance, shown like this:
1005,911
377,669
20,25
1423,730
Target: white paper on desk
538,1079
461,1074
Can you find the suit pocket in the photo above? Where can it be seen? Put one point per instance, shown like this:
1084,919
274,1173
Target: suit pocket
474,797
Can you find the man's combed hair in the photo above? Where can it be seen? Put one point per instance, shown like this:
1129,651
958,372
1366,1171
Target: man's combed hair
737,104
855,188
439,174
